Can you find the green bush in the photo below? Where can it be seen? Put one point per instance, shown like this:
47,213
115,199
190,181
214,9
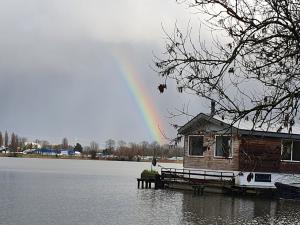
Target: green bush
149,174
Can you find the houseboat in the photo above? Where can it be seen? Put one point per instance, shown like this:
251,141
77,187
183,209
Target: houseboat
255,158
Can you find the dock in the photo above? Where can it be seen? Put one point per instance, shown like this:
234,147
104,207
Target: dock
194,179
200,181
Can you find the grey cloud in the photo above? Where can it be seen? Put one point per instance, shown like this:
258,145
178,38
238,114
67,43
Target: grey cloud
57,75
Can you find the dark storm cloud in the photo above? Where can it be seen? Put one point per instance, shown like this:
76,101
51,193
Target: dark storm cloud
58,77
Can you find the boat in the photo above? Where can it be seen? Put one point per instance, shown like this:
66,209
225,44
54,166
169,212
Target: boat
288,191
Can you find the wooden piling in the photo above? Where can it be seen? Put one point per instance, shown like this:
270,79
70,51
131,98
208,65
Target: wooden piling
198,189
145,183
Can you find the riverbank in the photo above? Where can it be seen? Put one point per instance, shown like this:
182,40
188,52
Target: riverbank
20,155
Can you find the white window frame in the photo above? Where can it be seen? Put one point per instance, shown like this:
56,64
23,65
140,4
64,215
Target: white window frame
231,148
188,146
292,150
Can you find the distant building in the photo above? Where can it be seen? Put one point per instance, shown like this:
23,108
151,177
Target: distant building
3,149
67,152
46,151
32,145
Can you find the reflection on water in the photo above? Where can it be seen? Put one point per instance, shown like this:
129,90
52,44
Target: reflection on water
173,207
74,192
219,209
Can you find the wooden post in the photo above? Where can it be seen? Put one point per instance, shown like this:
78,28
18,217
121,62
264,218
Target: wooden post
194,189
198,190
138,183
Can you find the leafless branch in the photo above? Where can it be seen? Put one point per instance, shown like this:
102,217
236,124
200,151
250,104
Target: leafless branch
253,73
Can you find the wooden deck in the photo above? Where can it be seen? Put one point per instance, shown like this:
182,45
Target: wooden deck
200,181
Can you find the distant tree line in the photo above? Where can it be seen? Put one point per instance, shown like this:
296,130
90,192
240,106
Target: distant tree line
17,143
120,149
12,141
132,151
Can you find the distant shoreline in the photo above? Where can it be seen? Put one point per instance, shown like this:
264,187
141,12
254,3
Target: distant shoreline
38,156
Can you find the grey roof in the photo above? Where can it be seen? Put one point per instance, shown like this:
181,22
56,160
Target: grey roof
242,127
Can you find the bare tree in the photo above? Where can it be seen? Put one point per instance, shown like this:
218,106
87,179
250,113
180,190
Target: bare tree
94,146
65,143
250,68
110,144
13,142
144,145
1,139
22,142
6,139
93,149
121,144
17,144
44,143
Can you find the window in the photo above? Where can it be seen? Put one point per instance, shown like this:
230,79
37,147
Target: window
223,146
262,177
286,153
196,145
296,151
290,150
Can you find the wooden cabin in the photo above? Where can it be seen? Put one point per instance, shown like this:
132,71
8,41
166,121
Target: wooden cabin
211,143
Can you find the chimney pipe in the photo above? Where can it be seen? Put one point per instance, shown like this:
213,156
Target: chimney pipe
212,108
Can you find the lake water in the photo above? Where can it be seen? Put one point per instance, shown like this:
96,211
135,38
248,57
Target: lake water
73,192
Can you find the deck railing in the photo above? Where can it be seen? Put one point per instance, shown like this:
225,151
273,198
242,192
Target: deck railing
193,175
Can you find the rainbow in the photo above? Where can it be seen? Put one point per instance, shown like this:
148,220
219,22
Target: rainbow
143,100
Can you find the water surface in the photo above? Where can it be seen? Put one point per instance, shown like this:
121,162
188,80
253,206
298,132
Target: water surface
73,192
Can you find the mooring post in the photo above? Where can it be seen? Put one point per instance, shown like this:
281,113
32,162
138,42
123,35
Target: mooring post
198,190
138,183
202,190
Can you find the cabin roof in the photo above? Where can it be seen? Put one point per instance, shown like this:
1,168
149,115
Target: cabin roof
242,126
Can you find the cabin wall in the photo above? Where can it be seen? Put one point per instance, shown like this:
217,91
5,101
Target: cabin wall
249,153
261,154
289,167
257,154
208,160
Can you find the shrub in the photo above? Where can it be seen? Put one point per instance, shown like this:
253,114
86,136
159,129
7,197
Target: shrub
149,174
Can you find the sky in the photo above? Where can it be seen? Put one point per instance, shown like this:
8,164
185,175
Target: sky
66,65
